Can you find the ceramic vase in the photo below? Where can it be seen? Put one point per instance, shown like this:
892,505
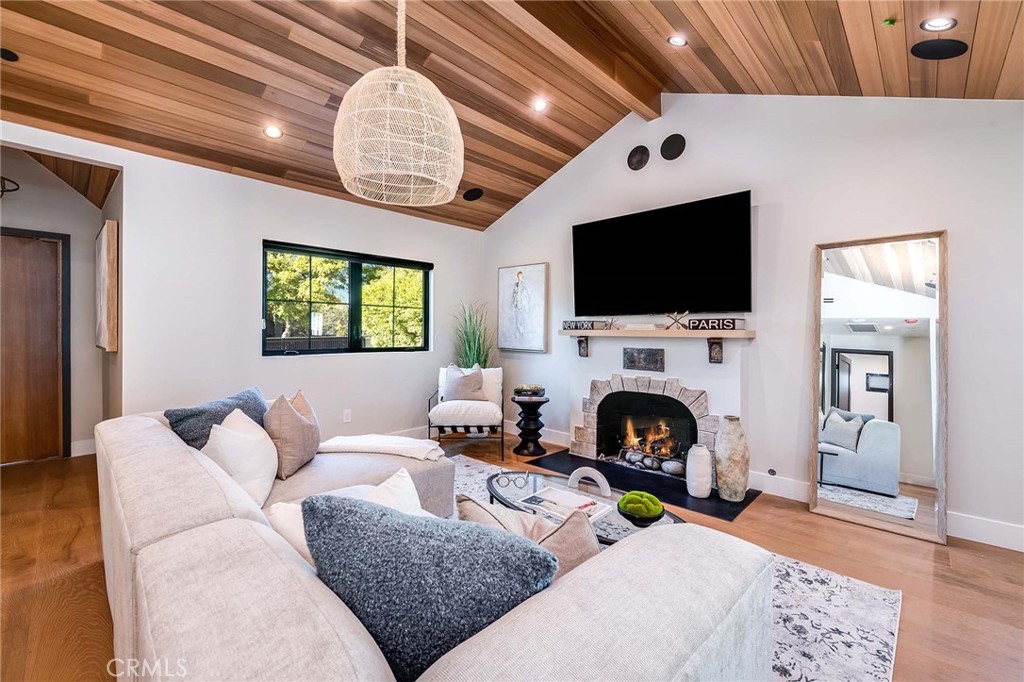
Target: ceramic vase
732,460
698,471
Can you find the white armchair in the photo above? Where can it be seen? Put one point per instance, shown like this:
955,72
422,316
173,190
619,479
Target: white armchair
874,466
469,416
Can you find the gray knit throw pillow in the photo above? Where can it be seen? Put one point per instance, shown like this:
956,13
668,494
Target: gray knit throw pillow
193,424
420,586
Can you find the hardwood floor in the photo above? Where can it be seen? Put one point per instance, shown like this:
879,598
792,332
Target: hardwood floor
963,604
55,622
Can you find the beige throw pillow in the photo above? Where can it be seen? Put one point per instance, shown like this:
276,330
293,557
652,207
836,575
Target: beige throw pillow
293,427
459,385
840,432
572,542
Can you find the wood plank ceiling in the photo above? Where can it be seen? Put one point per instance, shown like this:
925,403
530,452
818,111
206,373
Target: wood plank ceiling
198,81
911,266
91,181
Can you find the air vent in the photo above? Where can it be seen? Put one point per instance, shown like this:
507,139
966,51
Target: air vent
862,327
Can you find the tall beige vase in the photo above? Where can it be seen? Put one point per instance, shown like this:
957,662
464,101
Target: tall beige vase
732,460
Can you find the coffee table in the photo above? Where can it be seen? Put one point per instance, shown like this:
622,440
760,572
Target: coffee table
508,487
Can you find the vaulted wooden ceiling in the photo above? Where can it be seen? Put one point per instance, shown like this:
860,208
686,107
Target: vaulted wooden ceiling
91,181
911,266
198,81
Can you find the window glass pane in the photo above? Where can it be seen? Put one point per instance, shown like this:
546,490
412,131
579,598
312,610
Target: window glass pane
330,280
409,287
287,276
378,325
328,325
287,326
378,285
408,327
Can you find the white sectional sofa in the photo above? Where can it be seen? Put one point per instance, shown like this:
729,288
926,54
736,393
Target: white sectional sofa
199,582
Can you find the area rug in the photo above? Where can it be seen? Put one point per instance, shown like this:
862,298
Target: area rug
828,627
901,506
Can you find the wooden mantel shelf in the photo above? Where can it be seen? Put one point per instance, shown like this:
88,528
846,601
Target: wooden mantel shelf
664,333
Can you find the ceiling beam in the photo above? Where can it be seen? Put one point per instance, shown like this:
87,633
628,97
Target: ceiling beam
591,48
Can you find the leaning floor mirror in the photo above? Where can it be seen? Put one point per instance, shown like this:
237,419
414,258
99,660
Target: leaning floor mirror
879,407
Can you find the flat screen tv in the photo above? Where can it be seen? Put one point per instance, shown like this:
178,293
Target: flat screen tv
692,257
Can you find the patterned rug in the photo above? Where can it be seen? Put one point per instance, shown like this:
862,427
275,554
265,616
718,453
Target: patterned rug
828,627
901,506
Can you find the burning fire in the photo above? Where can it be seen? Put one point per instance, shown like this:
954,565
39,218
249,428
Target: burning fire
655,439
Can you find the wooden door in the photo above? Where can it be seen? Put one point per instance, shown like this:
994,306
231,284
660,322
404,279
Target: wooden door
31,417
843,371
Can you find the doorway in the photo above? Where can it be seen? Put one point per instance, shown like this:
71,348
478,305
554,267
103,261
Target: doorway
856,389
35,345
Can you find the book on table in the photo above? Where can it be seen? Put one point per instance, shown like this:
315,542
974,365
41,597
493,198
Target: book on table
561,503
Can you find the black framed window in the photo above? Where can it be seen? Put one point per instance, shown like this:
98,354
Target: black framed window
326,301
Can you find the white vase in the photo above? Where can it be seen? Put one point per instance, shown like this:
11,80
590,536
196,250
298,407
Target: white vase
732,460
698,471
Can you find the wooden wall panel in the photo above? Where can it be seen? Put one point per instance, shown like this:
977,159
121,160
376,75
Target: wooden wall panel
197,81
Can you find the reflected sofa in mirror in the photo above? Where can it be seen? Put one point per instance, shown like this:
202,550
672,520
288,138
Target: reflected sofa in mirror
878,454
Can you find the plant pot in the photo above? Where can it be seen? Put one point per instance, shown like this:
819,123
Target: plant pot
732,460
641,521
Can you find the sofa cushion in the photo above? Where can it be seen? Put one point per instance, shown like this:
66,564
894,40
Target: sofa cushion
234,602
293,426
841,432
572,542
465,413
435,481
193,424
245,452
397,492
420,586
492,384
460,384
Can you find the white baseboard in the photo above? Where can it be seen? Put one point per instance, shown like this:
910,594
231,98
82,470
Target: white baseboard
988,531
83,447
780,485
415,432
547,435
915,479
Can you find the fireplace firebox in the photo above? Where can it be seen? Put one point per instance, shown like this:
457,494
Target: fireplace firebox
645,431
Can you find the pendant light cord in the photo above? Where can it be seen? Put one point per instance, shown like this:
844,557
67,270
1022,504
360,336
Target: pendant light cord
401,33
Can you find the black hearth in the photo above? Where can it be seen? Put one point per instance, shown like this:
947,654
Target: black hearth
645,431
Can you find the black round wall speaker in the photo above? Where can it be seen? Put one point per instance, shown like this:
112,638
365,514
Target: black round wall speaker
8,55
673,147
638,157
941,48
472,194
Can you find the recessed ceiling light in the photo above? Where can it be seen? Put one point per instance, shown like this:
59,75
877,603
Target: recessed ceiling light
887,327
273,132
911,320
539,104
677,41
937,24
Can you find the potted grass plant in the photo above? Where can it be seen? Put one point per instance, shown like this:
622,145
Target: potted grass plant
473,340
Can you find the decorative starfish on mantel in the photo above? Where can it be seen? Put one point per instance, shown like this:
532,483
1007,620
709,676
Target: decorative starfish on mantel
678,319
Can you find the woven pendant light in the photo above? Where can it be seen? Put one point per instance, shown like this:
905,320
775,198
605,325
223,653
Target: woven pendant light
397,140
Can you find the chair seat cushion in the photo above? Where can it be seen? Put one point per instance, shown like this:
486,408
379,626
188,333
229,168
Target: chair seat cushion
831,449
420,586
465,413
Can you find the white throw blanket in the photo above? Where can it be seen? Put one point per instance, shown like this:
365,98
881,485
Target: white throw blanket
384,445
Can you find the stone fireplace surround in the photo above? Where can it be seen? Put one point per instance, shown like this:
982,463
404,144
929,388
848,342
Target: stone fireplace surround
584,442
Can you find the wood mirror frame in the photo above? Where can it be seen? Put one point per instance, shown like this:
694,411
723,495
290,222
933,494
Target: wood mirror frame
941,374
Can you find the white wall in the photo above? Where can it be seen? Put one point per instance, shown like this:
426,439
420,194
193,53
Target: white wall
821,170
47,204
191,282
113,209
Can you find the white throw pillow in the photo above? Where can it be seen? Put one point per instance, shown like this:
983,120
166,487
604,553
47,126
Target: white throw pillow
243,449
398,492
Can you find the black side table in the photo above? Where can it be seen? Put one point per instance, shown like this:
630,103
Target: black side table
529,425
